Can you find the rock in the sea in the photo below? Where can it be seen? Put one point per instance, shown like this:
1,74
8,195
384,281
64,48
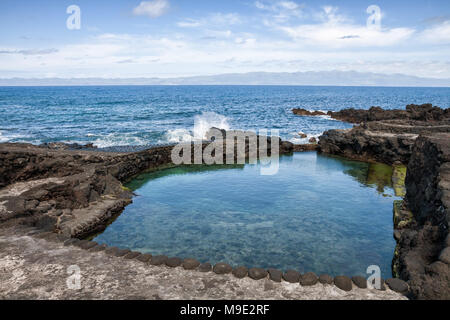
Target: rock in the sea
397,285
308,279
343,283
291,276
313,140
257,273
304,112
360,282
325,279
303,135
240,272
190,264
222,268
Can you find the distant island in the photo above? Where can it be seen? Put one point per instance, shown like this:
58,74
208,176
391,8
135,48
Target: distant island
320,78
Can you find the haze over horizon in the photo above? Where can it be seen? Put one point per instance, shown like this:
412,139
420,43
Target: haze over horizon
173,38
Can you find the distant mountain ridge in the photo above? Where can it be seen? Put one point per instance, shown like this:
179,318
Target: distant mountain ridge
319,78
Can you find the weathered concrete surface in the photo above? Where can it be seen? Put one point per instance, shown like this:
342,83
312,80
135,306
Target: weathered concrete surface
33,268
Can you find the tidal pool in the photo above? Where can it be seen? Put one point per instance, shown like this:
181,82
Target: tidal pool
319,213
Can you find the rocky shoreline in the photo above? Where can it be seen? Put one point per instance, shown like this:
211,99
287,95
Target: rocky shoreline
418,137
71,192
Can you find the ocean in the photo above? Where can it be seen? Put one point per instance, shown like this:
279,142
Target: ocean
111,116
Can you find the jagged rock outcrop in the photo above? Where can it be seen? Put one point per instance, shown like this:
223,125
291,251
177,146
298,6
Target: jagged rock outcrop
424,112
423,239
385,136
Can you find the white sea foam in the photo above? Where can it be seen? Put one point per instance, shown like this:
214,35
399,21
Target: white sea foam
3,138
202,123
119,139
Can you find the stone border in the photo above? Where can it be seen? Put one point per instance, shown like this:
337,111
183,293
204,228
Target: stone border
308,279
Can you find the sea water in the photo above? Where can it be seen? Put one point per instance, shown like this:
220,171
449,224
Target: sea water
318,213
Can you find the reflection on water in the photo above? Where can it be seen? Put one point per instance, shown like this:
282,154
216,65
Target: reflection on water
320,214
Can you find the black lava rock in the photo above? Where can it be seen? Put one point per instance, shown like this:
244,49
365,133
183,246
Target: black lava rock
360,282
122,252
205,267
257,273
275,275
158,260
343,283
222,268
190,264
112,251
291,276
174,262
240,272
325,279
309,279
132,255
397,285
144,257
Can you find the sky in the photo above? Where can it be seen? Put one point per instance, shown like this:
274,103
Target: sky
178,38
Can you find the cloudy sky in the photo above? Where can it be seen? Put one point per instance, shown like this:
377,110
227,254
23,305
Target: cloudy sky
171,38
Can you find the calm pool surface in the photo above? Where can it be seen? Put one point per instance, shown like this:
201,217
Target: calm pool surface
320,214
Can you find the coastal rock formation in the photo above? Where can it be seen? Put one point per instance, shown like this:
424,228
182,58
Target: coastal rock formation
425,112
420,253
418,137
388,140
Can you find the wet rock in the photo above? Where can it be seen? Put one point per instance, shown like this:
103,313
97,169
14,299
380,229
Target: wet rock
397,285
308,279
222,268
325,279
240,272
190,264
144,257
132,255
303,135
445,255
304,112
205,267
360,282
158,260
275,275
257,273
312,140
291,276
343,283
174,262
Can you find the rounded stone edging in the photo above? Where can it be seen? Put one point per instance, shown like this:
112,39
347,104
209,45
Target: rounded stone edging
291,276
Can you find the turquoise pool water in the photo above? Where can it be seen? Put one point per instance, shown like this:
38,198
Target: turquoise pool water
320,214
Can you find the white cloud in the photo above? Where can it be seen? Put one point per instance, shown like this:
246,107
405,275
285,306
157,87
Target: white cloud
281,10
213,20
152,9
437,34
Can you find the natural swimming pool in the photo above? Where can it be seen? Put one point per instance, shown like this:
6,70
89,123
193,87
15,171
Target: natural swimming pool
319,214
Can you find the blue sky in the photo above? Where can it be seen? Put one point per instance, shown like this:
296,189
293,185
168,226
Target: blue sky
170,38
